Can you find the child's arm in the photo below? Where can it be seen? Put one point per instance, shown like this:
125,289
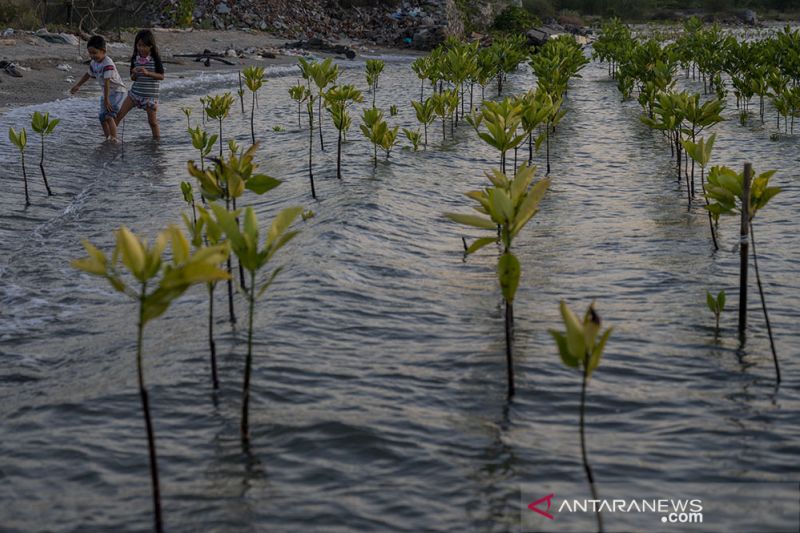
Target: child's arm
106,93
141,71
81,81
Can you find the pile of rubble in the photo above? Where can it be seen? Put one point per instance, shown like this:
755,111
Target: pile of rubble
411,23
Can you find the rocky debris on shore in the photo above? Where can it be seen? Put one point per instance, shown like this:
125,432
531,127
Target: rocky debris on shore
10,68
58,38
206,56
320,45
410,23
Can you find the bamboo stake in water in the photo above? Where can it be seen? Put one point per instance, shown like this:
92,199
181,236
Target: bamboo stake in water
744,248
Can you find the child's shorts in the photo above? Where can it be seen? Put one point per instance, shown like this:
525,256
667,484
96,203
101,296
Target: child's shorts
143,102
116,99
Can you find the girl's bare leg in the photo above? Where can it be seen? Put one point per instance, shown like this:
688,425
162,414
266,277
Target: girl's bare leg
152,119
126,106
112,127
105,129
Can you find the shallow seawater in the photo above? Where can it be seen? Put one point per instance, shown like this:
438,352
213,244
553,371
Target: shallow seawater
379,386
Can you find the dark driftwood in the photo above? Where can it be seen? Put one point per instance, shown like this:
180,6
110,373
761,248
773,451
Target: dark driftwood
206,57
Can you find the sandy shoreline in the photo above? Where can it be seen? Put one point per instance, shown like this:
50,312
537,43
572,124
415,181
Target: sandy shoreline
43,81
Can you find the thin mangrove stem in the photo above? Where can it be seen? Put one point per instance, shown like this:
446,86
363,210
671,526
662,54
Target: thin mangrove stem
151,439
586,466
764,307
41,167
25,179
251,296
509,347
211,344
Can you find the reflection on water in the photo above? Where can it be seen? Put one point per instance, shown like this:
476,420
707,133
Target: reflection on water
378,393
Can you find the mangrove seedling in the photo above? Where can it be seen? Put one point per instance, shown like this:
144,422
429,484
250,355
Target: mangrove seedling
187,111
580,347
298,94
227,180
337,101
322,74
254,79
508,205
277,128
20,140
202,142
444,104
374,69
145,265
389,139
188,197
206,231
392,110
700,152
240,92
426,114
245,245
716,305
502,120
415,136
725,192
217,108
42,125
374,128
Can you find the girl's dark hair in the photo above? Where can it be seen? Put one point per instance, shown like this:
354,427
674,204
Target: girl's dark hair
96,41
148,39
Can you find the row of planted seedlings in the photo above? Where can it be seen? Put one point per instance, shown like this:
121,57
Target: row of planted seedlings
215,233
200,255
512,199
768,67
650,68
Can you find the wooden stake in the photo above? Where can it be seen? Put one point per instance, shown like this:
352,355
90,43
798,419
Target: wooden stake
744,248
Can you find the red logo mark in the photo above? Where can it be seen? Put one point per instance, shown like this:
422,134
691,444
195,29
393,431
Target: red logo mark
534,506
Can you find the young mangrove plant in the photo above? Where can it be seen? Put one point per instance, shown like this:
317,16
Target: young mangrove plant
42,125
227,180
240,92
716,305
374,69
444,104
217,108
166,281
503,120
508,205
206,231
374,129
535,110
188,197
426,114
420,67
389,139
298,94
245,244
322,74
187,112
337,101
254,79
700,153
414,136
580,347
203,143
725,192
20,140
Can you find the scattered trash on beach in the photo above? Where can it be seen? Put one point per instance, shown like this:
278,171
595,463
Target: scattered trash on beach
11,69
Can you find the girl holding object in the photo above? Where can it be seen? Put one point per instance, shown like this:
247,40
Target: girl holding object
147,71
